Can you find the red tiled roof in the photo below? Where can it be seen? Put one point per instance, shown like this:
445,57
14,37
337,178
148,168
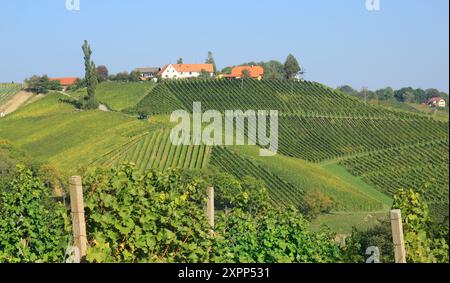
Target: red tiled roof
184,68
435,99
65,81
194,67
253,71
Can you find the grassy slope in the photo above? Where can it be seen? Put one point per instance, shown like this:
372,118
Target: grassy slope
342,222
55,132
119,96
437,114
344,175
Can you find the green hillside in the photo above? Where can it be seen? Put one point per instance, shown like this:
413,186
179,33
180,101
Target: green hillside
155,151
304,98
408,167
356,154
318,124
159,101
53,131
320,138
119,95
303,176
281,192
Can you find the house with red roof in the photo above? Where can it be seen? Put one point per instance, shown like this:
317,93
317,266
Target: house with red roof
65,82
437,102
184,71
255,72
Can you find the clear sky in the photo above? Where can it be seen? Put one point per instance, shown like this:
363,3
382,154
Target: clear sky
338,42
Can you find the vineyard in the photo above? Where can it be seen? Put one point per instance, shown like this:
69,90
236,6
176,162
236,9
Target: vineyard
408,167
156,151
54,132
317,126
303,98
318,138
159,101
281,193
316,123
7,91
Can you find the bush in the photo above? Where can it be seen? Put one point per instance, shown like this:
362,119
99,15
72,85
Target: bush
315,203
156,217
422,243
33,227
248,194
425,241
42,84
271,236
89,103
379,236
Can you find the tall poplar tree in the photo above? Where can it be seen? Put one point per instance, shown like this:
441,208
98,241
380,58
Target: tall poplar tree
291,67
90,75
210,60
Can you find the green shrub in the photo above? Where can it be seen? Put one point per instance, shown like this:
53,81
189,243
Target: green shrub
156,217
89,103
315,203
421,243
271,236
379,236
33,227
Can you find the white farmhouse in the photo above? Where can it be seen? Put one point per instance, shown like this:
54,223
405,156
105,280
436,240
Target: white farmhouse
184,71
437,102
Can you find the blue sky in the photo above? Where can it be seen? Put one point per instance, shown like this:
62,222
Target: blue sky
406,43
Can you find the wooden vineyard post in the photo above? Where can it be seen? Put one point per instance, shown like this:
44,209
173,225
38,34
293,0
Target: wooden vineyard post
78,222
397,236
210,208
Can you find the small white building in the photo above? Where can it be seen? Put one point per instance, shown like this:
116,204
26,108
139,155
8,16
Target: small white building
437,102
184,71
147,73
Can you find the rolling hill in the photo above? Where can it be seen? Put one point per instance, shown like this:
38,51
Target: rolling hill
119,95
357,154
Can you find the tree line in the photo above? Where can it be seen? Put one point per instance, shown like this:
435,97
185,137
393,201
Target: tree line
406,94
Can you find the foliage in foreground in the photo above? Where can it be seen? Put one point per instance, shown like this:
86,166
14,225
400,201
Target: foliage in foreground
33,227
159,217
154,217
425,241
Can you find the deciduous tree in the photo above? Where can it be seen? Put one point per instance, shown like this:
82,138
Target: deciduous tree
102,73
291,67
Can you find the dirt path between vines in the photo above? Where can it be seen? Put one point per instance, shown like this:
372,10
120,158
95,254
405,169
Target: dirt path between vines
15,102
